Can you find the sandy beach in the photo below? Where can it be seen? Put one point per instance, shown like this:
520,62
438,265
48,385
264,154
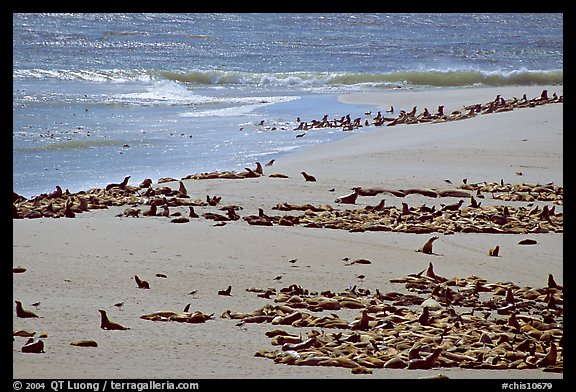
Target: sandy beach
74,267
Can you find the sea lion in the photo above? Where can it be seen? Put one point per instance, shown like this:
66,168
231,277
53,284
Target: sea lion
259,169
122,185
84,343
146,183
350,198
494,251
192,213
182,189
106,324
225,292
551,283
271,162
33,346
20,312
56,194
18,270
308,177
142,284
427,247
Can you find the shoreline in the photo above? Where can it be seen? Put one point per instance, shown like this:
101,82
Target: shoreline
76,266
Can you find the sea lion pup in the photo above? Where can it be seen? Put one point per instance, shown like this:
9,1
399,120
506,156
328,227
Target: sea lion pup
57,193
225,292
494,251
308,177
20,312
122,185
142,284
427,247
271,162
349,199
105,323
33,346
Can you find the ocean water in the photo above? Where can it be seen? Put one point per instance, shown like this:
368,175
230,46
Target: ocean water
97,97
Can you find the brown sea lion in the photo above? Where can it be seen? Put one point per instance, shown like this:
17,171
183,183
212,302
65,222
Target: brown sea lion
121,185
225,292
494,251
106,324
33,346
308,177
427,247
20,312
142,284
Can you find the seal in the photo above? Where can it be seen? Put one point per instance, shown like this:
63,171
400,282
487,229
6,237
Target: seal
142,284
259,169
33,346
20,312
308,177
225,292
494,251
122,185
57,193
106,324
84,343
350,198
182,189
427,247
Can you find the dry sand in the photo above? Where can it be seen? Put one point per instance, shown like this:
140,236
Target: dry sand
77,266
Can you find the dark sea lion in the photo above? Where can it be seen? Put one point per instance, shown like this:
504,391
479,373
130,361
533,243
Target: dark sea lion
308,177
225,292
57,193
142,284
106,324
121,185
427,247
33,346
20,312
350,198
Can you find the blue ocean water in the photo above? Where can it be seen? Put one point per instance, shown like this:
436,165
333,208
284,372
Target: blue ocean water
97,97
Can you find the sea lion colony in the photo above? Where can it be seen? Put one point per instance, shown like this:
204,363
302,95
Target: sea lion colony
434,326
447,219
438,323
457,322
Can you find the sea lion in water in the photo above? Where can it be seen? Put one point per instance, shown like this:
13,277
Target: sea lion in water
105,323
427,247
142,284
20,312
